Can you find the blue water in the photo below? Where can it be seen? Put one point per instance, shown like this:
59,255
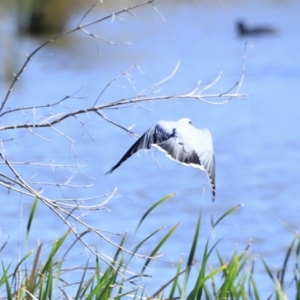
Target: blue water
256,138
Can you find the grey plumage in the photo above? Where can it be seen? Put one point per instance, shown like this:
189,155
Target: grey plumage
182,142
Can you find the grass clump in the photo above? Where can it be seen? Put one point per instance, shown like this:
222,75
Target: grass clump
45,273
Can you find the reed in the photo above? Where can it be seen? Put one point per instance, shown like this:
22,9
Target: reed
43,274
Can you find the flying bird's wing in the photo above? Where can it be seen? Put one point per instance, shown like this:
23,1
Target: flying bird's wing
204,148
193,147
177,150
160,132
182,142
209,164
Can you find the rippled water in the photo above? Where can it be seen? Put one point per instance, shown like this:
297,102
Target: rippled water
256,139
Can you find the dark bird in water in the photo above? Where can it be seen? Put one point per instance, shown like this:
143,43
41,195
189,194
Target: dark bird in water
181,141
258,30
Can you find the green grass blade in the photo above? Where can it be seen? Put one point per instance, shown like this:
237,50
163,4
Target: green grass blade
195,241
192,254
201,277
296,269
164,239
225,215
254,288
230,275
84,285
106,281
285,262
175,280
19,264
175,283
56,246
31,216
3,245
268,270
136,248
9,295
153,207
200,283
49,283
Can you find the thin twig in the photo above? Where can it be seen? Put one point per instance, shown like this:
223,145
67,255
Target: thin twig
79,27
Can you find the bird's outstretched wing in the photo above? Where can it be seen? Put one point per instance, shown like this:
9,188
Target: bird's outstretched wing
178,151
182,142
159,133
204,148
193,147
209,165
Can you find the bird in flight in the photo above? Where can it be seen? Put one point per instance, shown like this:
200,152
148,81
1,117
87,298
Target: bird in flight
182,142
243,30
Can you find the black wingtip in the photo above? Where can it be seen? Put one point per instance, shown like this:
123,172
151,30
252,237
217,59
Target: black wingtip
113,168
213,195
110,171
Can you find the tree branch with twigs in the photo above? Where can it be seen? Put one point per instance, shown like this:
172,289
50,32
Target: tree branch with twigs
51,116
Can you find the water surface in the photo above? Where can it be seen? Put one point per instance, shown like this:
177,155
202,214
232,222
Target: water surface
256,138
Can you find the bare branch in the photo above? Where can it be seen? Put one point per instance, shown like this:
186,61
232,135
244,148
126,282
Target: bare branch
134,100
72,210
118,125
52,165
110,83
79,27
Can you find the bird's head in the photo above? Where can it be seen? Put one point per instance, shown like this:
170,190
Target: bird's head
185,120
241,28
